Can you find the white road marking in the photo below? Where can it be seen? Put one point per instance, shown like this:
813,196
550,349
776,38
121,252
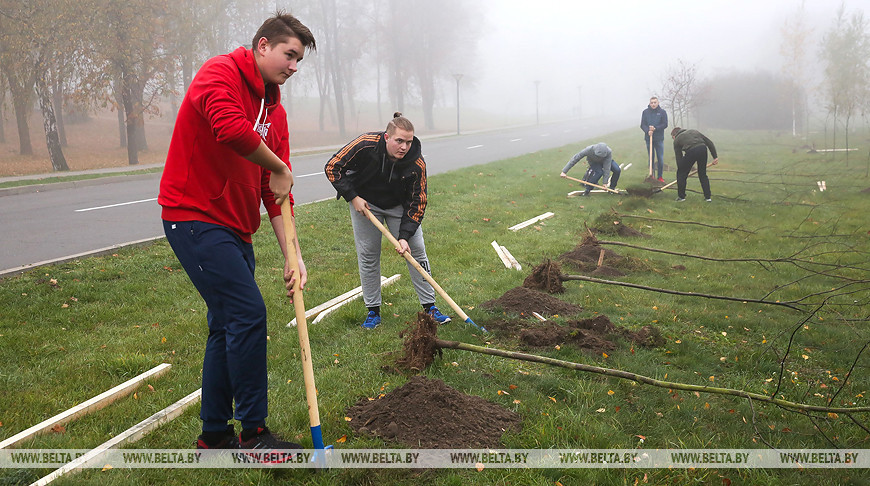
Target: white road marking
474,147
128,203
516,140
116,205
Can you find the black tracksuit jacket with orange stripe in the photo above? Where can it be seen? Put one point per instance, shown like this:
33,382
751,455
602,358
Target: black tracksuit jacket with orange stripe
362,168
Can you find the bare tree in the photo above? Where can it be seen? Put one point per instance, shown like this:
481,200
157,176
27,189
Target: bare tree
17,69
680,91
130,55
795,44
35,28
845,50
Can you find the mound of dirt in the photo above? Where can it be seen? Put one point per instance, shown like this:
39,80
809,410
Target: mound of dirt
594,334
428,414
524,301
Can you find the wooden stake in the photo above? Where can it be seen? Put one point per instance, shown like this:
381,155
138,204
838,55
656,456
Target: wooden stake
531,221
601,257
349,295
500,253
514,263
322,315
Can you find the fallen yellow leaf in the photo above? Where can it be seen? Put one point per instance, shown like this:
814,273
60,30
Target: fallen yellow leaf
610,392
552,398
341,439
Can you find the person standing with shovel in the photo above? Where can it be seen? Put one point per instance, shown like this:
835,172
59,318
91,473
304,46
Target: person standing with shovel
384,173
229,153
600,159
653,122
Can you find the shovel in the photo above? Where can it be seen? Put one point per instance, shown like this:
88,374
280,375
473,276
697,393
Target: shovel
302,327
593,185
420,269
650,177
669,184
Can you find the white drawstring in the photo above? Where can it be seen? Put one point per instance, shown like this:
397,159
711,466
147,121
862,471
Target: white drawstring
257,121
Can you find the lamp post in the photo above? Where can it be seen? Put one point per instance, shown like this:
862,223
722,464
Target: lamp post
537,111
458,77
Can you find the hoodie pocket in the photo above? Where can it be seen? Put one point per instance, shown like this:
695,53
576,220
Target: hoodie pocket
238,205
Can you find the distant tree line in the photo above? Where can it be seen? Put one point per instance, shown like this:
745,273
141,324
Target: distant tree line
75,56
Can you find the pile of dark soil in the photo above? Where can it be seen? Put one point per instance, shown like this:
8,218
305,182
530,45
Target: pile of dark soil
586,255
428,414
524,301
596,334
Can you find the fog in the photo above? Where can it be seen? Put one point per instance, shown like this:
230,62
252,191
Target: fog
605,59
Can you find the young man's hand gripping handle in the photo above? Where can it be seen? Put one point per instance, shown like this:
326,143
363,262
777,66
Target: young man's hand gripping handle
281,181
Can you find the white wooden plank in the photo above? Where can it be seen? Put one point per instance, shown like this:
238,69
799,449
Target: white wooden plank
130,435
91,405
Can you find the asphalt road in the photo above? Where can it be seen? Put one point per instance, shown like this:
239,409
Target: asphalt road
60,222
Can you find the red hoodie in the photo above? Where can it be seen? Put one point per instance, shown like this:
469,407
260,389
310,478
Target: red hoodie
206,177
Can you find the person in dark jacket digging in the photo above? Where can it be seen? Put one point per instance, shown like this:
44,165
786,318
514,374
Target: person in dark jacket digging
690,146
385,173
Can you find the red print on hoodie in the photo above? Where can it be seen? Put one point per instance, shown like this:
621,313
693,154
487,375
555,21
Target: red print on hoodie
224,115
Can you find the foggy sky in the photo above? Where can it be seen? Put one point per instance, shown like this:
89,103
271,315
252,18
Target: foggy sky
608,57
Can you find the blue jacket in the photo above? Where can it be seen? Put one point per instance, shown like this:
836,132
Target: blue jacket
658,118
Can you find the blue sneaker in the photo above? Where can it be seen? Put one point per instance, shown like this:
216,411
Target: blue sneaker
372,320
438,316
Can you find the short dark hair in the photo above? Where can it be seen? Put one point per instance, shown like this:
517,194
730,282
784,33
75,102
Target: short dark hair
282,26
399,121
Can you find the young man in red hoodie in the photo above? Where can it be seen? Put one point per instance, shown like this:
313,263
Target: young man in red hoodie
229,152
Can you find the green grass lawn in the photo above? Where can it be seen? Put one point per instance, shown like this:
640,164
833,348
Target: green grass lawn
73,330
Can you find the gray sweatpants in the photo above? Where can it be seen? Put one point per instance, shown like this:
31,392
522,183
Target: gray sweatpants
367,238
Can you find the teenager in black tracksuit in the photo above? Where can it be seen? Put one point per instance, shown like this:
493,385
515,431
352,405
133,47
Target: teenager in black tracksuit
385,173
694,145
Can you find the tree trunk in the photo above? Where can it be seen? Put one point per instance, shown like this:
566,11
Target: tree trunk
21,106
339,101
130,113
427,92
49,123
119,108
186,72
2,117
57,102
22,109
